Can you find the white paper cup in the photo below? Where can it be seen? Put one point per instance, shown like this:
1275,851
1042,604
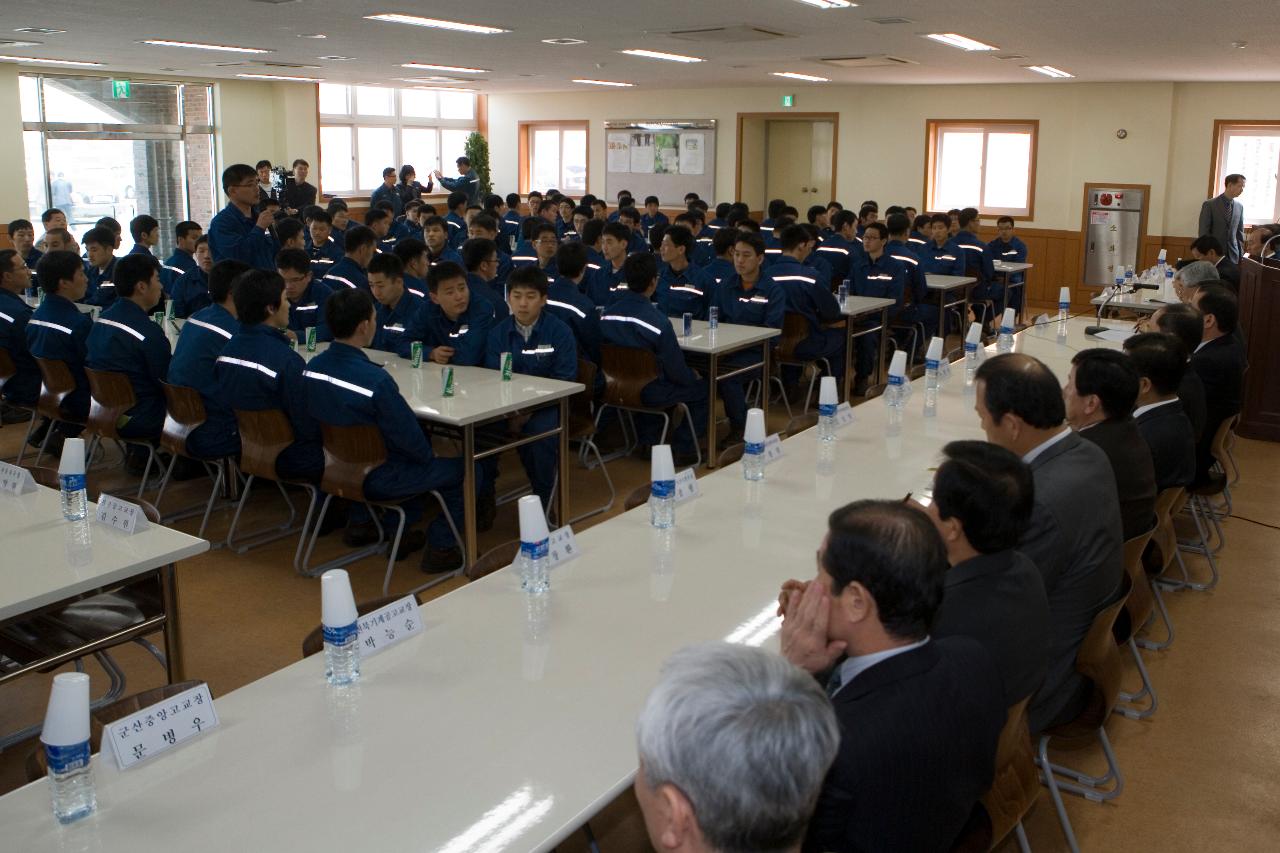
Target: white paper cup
661,466
337,604
975,334
934,353
533,522
1064,294
827,391
1010,319
72,457
754,432
898,367
66,720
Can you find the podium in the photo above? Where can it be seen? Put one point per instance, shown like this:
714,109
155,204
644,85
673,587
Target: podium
1260,317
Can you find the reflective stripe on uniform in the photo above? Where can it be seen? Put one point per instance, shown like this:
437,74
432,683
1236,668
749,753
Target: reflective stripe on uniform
333,380
122,327
252,365
622,319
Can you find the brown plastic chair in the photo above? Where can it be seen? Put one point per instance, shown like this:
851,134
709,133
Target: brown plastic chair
582,431
800,423
795,329
184,414
264,435
1014,789
497,557
1201,502
1159,556
731,454
1139,606
638,497
7,371
48,477
314,641
56,384
627,370
1098,660
110,396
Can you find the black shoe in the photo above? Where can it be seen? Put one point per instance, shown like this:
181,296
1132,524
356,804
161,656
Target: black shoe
41,430
486,512
685,458
411,541
135,460
357,535
12,415
336,517
439,560
187,469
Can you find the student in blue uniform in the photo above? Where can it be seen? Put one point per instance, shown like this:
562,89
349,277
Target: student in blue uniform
290,234
360,244
566,301
941,256
435,231
818,217
841,247
917,308
412,253
540,345
882,276
100,267
816,259
467,182
634,321
720,220
652,216
485,227
511,222
344,388
126,340
235,232
183,259
703,252
683,287
720,266
190,292
542,237
323,249
610,281
977,259
456,219
378,220
454,327
805,292
341,217
592,235
600,210
202,340
399,311
1008,248
483,263
772,212
23,235
921,232
387,192
259,369
145,231
564,219
581,216
630,217
304,295
23,387
58,330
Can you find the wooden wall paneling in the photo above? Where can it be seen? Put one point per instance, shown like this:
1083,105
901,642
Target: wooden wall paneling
1260,314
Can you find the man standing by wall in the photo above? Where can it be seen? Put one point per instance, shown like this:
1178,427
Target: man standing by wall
1223,217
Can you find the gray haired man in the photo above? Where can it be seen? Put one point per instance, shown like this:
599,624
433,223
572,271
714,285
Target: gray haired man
1190,277
734,743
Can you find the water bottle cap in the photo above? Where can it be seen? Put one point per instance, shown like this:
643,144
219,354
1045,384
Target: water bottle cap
337,604
827,391
754,432
66,720
661,466
533,522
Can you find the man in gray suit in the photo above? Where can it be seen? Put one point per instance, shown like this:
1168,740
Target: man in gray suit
1075,536
1223,218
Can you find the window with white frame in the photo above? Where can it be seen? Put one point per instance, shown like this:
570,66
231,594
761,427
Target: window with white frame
557,156
990,165
365,129
1251,149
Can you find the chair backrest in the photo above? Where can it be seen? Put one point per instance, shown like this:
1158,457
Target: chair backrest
111,395
497,557
48,477
184,412
1140,601
7,367
1218,449
314,641
730,454
1165,537
795,328
581,422
56,382
638,497
350,453
626,371
1016,784
264,435
1098,658
800,423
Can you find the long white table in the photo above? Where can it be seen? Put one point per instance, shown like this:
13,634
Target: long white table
510,720
945,286
1005,269
857,307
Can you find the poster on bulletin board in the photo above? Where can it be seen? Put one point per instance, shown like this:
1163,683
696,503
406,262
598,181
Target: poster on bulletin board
663,157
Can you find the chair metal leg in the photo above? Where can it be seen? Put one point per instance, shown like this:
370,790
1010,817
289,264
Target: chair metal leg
155,652
1092,787
1164,617
693,434
395,547
457,537
1023,845
307,570
591,838
1051,783
31,427
1147,692
782,391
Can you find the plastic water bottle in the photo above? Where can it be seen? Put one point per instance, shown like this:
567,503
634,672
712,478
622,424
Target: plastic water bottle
338,625
754,438
827,404
971,341
1170,295
1128,277
533,562
1004,341
897,392
65,737
713,318
662,491
75,503
1064,309
842,294
931,359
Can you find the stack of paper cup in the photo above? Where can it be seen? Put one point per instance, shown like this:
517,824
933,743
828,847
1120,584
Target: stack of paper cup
975,335
1064,296
66,720
754,432
934,353
533,522
662,468
1010,319
337,604
827,392
72,461
898,367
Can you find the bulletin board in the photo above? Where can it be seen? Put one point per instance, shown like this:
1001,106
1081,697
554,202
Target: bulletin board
663,157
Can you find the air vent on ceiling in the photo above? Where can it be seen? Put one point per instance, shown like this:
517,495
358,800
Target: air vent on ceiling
867,61
14,43
732,35
438,79
1010,56
39,31
888,21
292,66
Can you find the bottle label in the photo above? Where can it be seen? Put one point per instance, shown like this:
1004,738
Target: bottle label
64,759
827,411
340,635
1006,330
1064,306
970,348
663,488
535,550
930,364
71,482
896,380
754,448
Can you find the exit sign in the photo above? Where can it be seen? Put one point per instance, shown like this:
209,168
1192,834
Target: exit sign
787,100
119,89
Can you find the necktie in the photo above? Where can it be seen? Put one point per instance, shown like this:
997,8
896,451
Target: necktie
835,682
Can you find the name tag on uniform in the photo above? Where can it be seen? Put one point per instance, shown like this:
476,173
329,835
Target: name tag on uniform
772,448
122,515
844,415
387,626
15,480
686,485
561,546
162,726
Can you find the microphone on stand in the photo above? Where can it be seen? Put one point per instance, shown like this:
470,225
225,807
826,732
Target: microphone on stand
1099,329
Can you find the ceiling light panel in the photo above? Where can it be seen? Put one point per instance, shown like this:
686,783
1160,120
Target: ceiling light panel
5,58
281,77
829,4
1048,71
203,46
657,54
793,75
457,68
435,23
605,83
962,42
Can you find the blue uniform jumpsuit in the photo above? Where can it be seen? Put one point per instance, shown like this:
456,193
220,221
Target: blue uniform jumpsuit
190,293
978,264
918,308
347,273
396,324
308,311
467,334
203,337
886,278
23,388
687,291
807,293
762,305
1013,252
174,267
566,303
102,288
58,330
126,340
236,236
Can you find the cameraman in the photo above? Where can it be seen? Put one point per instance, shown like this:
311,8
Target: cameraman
297,192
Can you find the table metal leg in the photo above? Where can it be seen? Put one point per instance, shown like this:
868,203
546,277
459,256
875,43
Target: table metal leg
562,494
172,630
714,369
882,368
764,380
849,343
469,543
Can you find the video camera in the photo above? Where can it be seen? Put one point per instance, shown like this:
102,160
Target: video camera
282,180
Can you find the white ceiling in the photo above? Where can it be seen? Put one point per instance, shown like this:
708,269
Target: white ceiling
1096,40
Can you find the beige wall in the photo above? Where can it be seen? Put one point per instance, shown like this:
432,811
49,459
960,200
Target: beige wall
13,178
882,135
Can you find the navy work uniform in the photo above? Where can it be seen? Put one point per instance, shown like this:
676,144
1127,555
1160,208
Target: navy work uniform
578,312
396,325
648,222
324,256
469,184
102,287
947,259
510,234
806,293
190,293
23,388
841,255
308,311
391,195
886,278
688,291
1012,252
490,292
918,309
345,388
719,269
58,330
174,267
126,340
448,253
202,340
258,369
633,321
232,235
978,264
467,335
762,305
607,285
347,273
457,229
548,351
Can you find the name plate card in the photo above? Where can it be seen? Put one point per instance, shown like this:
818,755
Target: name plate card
121,515
162,726
844,415
686,485
561,546
772,449
387,626
15,480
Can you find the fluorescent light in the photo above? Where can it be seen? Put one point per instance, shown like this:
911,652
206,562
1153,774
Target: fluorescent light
657,54
442,89
201,46
312,36
281,77
962,42
795,76
829,4
4,58
1048,70
414,20
458,68
604,83
564,41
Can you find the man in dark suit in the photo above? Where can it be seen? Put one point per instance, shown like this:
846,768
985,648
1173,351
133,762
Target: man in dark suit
1161,361
1223,217
1075,536
1209,249
1220,363
982,500
1099,395
1186,324
920,716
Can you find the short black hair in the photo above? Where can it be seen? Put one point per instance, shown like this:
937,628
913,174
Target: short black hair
300,162
940,219
1206,244
1159,357
110,223
485,222
722,209
409,250
132,270
540,228
755,241
19,224
528,276
814,211
347,309
99,237
255,293
617,231
967,217
1022,385
142,224
455,199
182,229
513,200
878,227
1003,219
9,261
375,215
640,270
897,554
405,171
897,223
921,221
336,204
1183,321
1110,376
629,213
989,489
295,260
288,228
723,241
237,173
222,276
319,214
53,268
571,258
682,237
1222,304
49,214
592,231
357,237
262,163
793,236
843,219
446,271
387,264
476,251
775,207
651,199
